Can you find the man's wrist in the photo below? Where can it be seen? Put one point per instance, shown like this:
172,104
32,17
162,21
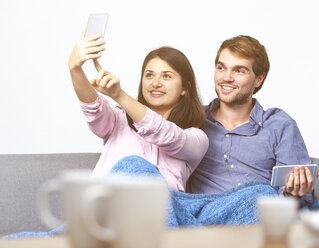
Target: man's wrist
291,195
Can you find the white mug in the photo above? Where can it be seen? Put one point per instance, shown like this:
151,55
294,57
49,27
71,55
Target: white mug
119,211
134,213
276,214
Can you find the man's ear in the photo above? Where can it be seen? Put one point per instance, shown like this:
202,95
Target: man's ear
260,79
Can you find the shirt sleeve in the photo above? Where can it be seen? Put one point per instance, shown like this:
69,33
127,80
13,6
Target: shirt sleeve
100,116
187,144
291,149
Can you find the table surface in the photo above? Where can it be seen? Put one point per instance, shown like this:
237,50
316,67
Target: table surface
199,237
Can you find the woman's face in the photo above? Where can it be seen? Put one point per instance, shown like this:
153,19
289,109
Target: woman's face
161,86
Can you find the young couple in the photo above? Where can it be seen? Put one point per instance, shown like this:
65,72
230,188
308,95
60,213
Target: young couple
230,142
224,152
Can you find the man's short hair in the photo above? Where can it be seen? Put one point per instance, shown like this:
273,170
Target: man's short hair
250,48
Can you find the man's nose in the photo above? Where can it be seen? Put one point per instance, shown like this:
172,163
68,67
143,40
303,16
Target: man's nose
228,76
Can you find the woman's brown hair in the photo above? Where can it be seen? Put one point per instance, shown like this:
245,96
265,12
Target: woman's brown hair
188,111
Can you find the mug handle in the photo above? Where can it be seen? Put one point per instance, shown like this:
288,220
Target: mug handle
43,203
89,221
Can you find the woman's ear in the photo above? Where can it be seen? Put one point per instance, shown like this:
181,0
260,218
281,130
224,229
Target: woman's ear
184,91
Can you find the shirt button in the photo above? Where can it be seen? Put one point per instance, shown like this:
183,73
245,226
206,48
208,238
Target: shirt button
259,123
232,166
227,135
238,184
225,155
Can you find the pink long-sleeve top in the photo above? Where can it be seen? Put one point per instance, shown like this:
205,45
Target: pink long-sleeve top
175,151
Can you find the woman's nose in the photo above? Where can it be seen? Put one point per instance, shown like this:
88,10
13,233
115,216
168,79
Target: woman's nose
156,82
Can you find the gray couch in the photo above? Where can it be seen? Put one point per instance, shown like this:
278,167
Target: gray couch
21,177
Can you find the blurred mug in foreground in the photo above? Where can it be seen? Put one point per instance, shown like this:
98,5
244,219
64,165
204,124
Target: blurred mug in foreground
119,211
276,214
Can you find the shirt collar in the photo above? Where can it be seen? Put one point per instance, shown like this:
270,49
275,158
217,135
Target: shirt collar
256,113
255,118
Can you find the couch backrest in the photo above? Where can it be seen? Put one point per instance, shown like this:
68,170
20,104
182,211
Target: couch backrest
21,176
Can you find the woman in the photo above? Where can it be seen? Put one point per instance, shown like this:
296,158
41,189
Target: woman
164,126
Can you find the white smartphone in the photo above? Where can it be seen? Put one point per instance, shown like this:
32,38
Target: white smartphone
96,24
280,173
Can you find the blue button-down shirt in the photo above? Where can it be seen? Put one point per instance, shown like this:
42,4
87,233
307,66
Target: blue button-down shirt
249,152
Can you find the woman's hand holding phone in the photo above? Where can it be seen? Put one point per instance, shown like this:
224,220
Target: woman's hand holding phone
90,46
91,42
85,49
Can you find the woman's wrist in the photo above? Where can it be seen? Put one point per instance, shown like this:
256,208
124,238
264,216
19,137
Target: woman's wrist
74,67
132,107
121,97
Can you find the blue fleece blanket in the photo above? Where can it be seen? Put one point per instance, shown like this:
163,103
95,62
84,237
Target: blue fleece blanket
236,206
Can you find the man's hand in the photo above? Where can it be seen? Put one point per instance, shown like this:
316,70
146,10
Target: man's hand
299,181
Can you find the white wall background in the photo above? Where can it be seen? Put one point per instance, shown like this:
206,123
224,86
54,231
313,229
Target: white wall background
39,111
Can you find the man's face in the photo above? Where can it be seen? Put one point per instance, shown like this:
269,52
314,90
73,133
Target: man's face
235,80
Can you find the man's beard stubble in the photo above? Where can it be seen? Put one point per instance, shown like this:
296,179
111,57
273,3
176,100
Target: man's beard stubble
239,99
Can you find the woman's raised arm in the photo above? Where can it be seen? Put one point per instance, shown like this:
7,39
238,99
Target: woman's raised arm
85,49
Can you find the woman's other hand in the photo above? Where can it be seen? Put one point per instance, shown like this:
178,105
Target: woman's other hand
85,49
105,82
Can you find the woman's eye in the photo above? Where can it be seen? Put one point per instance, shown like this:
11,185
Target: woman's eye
148,75
167,76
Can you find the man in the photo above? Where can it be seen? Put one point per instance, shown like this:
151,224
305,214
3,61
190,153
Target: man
246,142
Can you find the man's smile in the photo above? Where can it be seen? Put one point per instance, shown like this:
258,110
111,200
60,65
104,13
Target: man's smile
227,87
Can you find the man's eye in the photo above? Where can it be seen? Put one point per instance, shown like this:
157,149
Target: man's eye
241,71
219,67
